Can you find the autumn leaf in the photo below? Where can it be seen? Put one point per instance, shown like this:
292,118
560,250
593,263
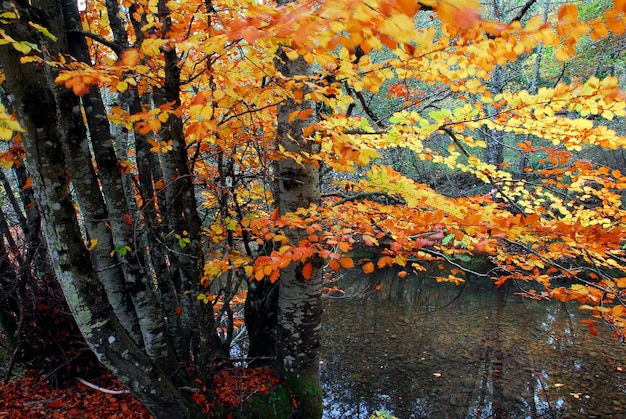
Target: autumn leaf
92,244
368,267
347,263
307,270
399,27
130,57
462,14
344,246
28,183
568,12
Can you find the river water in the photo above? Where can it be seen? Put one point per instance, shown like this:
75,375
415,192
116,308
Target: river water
421,349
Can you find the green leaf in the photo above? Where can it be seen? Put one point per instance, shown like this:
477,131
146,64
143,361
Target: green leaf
447,239
121,250
24,47
440,114
43,30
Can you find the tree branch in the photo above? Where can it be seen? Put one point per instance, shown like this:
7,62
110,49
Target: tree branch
117,49
364,195
525,9
493,183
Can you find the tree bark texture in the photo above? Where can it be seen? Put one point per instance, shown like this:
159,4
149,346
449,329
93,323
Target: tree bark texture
109,288
299,299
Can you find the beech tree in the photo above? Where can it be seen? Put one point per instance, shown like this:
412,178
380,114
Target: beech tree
198,177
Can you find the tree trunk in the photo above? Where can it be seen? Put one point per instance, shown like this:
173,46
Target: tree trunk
494,153
299,299
57,150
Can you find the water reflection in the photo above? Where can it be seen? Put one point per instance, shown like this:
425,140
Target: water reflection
419,349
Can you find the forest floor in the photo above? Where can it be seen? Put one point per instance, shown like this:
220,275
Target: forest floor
29,397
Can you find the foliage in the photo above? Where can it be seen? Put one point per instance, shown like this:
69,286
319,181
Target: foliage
198,93
381,414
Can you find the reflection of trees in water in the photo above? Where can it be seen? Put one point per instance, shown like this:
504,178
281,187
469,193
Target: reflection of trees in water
422,349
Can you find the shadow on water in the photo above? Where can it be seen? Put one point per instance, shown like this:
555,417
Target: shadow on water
419,349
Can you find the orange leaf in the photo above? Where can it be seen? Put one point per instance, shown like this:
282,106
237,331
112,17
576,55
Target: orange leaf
27,184
307,270
568,12
368,268
304,114
130,57
80,89
347,263
461,14
334,265
344,247
308,130
402,274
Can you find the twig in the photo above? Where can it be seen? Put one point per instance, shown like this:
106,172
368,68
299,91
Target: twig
104,390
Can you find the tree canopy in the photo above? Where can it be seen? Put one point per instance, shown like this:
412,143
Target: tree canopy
183,154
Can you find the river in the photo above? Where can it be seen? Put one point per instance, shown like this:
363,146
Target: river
421,349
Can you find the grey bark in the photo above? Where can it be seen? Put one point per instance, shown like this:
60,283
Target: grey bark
299,299
56,146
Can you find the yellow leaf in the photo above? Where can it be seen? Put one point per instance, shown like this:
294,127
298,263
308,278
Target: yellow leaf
218,95
206,113
292,54
92,244
122,86
6,133
399,27
581,289
473,85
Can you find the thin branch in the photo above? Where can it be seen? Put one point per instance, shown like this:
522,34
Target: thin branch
492,182
102,389
366,108
453,263
364,195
